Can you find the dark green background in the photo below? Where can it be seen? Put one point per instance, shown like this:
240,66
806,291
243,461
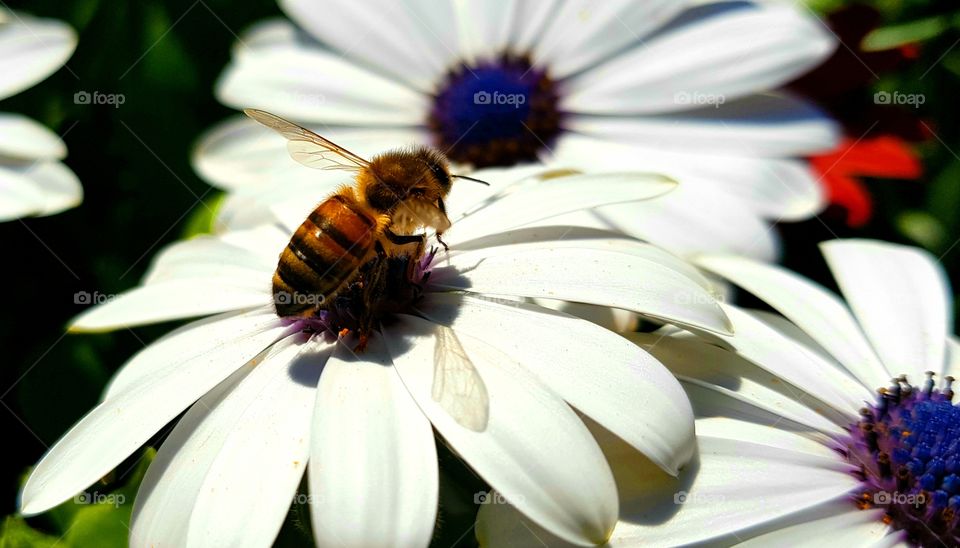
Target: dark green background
141,194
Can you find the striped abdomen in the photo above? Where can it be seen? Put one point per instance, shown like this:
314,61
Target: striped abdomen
323,254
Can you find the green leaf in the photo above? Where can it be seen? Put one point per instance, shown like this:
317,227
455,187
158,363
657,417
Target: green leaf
923,228
895,36
105,524
15,533
203,218
98,517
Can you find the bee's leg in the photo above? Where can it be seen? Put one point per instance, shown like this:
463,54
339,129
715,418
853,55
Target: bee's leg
372,293
362,343
443,209
419,239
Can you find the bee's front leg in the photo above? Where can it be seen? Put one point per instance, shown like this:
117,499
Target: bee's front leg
443,209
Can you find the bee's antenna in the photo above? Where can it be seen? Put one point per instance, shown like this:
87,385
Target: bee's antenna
471,179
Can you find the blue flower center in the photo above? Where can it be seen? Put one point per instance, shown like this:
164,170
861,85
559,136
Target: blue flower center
495,113
907,450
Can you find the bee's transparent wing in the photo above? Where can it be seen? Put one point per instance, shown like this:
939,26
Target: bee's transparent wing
457,385
307,147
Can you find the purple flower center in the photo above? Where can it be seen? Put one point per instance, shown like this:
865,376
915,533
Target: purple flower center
495,113
907,450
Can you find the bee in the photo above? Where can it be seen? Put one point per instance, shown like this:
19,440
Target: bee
367,232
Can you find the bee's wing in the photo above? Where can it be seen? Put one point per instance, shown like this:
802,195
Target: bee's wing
457,386
307,147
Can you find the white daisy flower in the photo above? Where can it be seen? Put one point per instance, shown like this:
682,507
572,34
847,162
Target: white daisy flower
795,445
496,377
654,85
33,181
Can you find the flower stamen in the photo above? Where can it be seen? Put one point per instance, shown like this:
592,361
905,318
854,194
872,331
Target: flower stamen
906,447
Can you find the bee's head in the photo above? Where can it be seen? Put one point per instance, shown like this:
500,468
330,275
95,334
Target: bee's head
418,175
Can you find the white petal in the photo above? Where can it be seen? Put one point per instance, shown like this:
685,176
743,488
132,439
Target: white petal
560,237
952,364
206,257
30,50
21,137
739,485
484,27
534,450
759,125
37,188
771,436
161,510
199,334
467,196
121,424
838,524
795,363
315,85
373,462
247,490
599,373
736,486
414,41
714,368
195,461
558,197
779,189
583,275
688,221
172,300
268,33
613,319
730,55
812,307
528,21
265,240
584,33
901,297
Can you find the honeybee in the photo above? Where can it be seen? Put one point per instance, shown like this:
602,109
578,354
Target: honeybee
361,240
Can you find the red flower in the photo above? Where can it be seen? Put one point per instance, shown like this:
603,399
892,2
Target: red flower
841,171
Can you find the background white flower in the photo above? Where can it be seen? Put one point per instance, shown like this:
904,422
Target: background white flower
33,181
274,399
784,457
617,85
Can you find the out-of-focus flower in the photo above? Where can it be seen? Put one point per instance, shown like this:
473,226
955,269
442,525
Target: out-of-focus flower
33,181
795,446
878,133
841,171
496,377
657,86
